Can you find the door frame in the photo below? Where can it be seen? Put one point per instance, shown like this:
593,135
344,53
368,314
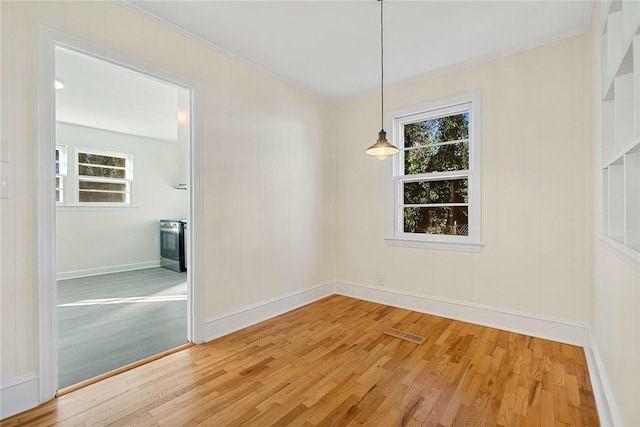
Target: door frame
48,39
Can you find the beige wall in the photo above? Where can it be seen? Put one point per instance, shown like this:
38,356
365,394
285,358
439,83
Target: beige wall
534,188
266,167
274,183
615,320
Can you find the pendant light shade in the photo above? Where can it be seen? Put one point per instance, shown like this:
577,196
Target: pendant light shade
381,149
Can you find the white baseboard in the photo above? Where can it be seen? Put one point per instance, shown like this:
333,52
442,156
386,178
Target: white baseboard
546,327
106,270
21,393
18,395
561,330
607,408
235,320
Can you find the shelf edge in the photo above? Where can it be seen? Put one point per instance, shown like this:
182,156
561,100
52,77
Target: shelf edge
633,147
627,44
624,252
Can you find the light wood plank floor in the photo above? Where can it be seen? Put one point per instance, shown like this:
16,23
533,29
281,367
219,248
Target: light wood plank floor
329,363
111,320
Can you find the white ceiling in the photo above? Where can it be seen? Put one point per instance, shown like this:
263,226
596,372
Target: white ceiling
328,48
102,95
331,48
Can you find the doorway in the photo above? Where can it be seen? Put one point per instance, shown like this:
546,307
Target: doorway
121,147
103,188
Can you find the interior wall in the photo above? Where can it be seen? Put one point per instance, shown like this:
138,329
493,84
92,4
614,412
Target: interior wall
270,192
535,193
616,330
97,239
615,322
266,164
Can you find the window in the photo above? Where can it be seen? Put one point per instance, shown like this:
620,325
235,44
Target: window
103,178
93,177
436,175
61,173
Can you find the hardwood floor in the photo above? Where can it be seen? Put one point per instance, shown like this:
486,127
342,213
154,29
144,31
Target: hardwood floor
111,320
330,363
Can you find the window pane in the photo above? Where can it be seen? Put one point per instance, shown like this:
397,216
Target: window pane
105,186
103,172
99,197
449,220
439,129
427,192
61,162
59,183
97,159
438,158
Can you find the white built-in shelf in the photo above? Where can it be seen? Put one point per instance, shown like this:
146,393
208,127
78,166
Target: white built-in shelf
621,124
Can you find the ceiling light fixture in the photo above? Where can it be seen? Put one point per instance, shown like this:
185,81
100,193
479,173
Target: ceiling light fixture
58,84
381,149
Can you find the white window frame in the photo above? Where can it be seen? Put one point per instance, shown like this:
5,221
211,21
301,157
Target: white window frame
71,179
128,180
395,235
62,173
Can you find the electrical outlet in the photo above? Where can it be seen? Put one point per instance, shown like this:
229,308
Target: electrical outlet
380,280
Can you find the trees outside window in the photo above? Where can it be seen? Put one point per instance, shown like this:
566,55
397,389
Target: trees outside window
436,194
89,177
103,178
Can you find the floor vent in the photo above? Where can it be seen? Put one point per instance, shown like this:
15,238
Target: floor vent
416,339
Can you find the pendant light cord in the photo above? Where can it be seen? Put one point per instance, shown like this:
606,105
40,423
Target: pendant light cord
381,66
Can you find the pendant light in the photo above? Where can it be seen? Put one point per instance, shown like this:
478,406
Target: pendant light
381,149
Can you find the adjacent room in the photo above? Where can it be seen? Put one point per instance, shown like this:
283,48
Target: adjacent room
320,213
121,208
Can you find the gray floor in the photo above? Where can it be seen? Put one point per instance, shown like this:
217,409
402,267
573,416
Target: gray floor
111,320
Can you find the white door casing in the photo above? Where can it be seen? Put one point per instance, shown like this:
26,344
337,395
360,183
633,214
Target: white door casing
48,39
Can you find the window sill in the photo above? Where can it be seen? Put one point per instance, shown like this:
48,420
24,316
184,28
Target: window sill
443,246
93,208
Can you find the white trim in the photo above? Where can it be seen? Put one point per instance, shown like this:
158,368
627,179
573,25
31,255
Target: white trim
341,98
463,65
587,16
396,119
106,270
434,176
535,325
235,320
195,260
443,246
154,18
546,327
46,217
77,178
448,104
605,402
18,395
623,252
48,38
21,393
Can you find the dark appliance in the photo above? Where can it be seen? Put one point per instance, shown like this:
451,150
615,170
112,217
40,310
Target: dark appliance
172,250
